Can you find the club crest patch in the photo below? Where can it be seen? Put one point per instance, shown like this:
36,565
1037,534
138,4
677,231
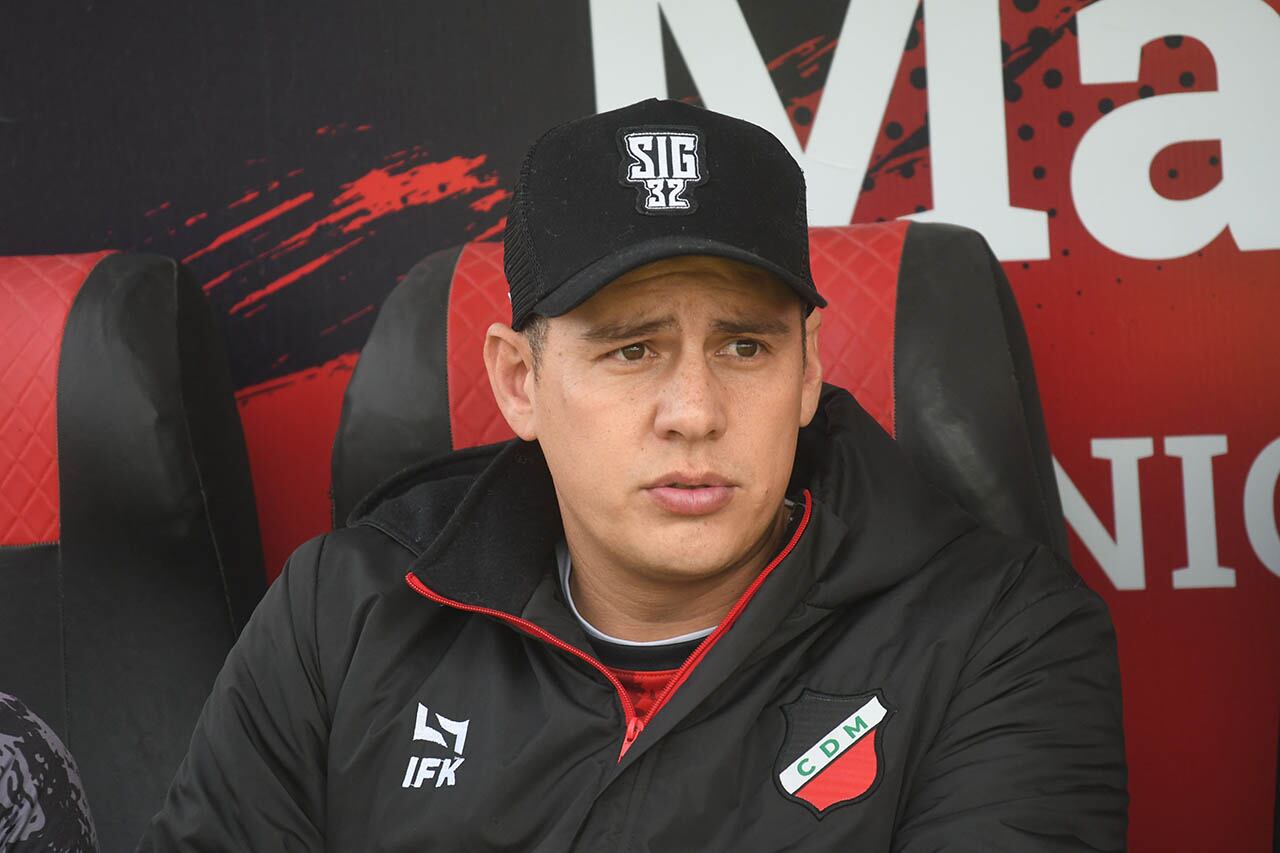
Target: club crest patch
664,165
832,754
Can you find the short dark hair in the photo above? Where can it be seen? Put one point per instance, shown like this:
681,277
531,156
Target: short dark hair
535,332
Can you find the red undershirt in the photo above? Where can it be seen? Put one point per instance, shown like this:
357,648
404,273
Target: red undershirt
643,687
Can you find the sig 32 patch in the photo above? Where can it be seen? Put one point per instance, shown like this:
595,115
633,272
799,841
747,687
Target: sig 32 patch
664,164
832,753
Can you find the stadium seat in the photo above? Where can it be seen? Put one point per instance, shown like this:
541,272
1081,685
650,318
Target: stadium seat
129,546
921,327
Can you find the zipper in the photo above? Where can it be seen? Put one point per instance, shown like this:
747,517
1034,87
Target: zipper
635,723
682,674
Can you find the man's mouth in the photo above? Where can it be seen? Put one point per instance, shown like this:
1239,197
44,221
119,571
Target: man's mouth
691,494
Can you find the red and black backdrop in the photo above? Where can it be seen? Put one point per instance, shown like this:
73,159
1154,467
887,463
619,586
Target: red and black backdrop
1119,155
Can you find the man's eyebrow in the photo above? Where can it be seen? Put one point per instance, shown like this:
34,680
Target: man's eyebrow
625,330
751,326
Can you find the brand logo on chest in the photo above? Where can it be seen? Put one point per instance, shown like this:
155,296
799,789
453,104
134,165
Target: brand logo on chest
438,769
832,754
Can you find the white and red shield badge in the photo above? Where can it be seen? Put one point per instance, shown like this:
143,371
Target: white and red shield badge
831,755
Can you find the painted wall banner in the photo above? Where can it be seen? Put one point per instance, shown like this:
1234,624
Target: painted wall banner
1119,155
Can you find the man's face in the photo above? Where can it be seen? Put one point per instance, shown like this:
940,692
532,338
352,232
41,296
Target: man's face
668,407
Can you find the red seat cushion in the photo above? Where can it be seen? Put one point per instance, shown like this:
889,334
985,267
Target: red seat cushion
36,293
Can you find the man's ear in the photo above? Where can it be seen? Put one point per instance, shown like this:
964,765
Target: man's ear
509,363
812,368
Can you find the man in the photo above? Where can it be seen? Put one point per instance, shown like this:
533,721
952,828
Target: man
701,603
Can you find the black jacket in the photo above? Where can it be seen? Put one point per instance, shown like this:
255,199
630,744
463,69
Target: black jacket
901,678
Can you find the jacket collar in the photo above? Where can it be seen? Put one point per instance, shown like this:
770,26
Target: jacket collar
483,523
862,479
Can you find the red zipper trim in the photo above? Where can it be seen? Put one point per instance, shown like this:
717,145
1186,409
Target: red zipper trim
635,724
628,708
682,674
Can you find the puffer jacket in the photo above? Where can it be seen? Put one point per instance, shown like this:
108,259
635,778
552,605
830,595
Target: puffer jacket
898,678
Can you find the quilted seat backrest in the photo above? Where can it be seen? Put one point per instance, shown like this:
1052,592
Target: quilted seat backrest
129,547
921,327
36,295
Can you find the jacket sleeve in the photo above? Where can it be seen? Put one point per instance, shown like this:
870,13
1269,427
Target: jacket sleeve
254,777
1030,754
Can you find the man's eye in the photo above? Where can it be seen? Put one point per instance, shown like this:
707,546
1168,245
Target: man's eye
745,349
631,352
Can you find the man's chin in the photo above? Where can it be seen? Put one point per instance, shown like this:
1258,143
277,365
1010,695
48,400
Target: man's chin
691,558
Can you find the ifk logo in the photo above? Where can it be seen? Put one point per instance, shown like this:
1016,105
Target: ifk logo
441,769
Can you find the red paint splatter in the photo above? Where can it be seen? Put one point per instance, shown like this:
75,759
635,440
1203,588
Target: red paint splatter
255,311
398,185
356,316
153,211
192,220
800,51
484,204
497,228
288,279
381,192
246,227
244,199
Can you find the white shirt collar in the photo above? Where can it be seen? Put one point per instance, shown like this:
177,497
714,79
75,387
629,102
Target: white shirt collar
566,570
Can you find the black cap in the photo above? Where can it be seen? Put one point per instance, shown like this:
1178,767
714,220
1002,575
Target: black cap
602,195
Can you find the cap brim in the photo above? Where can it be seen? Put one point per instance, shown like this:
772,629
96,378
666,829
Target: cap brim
588,281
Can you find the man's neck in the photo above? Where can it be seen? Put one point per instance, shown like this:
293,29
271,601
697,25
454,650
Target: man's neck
634,606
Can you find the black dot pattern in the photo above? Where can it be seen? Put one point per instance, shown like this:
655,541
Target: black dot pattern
1053,78
1026,132
1066,118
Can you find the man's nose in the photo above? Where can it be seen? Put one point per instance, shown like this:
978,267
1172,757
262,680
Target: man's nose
691,403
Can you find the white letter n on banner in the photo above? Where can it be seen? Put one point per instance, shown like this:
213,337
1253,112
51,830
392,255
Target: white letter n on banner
1121,558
